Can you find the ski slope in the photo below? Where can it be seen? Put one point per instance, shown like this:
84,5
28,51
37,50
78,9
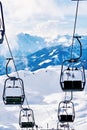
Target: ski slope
43,93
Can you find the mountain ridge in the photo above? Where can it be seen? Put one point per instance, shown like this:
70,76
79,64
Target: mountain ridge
35,52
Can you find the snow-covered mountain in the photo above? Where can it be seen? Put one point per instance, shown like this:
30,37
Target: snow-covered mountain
34,52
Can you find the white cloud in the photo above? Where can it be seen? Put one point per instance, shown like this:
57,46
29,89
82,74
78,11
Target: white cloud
46,18
27,14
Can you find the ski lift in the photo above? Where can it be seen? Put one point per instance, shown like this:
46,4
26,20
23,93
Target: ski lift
2,26
26,118
66,112
13,93
72,77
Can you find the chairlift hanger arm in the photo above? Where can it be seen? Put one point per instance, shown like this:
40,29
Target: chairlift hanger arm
78,39
13,78
2,16
9,59
2,22
68,100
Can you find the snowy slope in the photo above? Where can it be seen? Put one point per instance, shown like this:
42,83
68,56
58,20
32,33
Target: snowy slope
43,93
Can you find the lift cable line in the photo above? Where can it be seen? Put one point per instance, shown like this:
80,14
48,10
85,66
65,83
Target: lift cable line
75,22
74,29
11,55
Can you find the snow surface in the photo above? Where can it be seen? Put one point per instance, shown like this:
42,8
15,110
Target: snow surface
43,93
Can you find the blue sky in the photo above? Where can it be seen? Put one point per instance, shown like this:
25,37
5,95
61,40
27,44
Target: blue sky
46,18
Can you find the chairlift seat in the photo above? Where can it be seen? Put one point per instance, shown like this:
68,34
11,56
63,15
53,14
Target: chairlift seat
13,100
66,118
75,85
27,124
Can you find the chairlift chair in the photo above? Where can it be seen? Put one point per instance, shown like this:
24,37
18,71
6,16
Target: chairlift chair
2,25
13,93
26,118
66,112
72,77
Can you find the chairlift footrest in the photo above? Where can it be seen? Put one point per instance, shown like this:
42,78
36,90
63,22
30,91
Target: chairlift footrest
27,124
13,100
